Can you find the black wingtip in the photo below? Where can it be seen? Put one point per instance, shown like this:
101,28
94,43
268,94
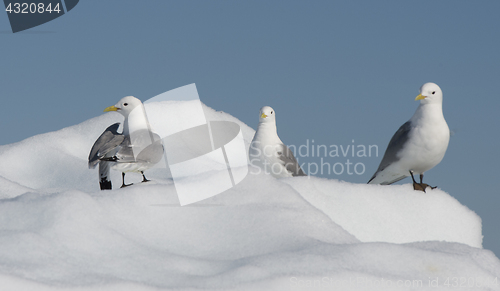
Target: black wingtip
105,184
114,126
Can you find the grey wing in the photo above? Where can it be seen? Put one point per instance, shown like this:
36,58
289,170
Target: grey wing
290,163
397,142
125,154
108,141
131,152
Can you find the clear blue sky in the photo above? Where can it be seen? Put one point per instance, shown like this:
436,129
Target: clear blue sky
333,71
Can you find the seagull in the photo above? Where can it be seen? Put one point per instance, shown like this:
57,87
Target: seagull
136,149
419,144
267,152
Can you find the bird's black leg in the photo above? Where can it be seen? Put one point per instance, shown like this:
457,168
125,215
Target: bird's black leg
413,178
416,186
423,184
123,181
144,177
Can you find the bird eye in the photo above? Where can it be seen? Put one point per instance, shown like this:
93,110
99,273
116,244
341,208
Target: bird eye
433,92
271,112
125,104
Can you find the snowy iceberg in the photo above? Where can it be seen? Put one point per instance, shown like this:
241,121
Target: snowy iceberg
58,231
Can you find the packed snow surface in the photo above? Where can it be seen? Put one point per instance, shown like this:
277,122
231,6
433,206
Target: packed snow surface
58,231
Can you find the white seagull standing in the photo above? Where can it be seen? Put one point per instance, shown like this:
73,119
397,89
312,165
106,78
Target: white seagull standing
136,149
419,144
268,152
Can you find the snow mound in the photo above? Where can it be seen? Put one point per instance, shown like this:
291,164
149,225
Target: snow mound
396,214
9,189
59,232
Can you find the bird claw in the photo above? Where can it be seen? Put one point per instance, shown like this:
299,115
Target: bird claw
126,185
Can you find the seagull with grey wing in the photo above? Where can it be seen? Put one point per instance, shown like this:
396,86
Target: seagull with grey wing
136,149
419,144
268,153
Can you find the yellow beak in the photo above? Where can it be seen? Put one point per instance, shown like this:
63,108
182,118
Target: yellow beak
420,97
263,115
110,108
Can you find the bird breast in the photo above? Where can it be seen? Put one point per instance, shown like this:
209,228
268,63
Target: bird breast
427,144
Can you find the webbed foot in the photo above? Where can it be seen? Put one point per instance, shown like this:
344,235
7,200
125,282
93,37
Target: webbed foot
420,187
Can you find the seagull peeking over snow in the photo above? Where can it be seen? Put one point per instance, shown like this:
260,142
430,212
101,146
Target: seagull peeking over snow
268,152
419,144
136,149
